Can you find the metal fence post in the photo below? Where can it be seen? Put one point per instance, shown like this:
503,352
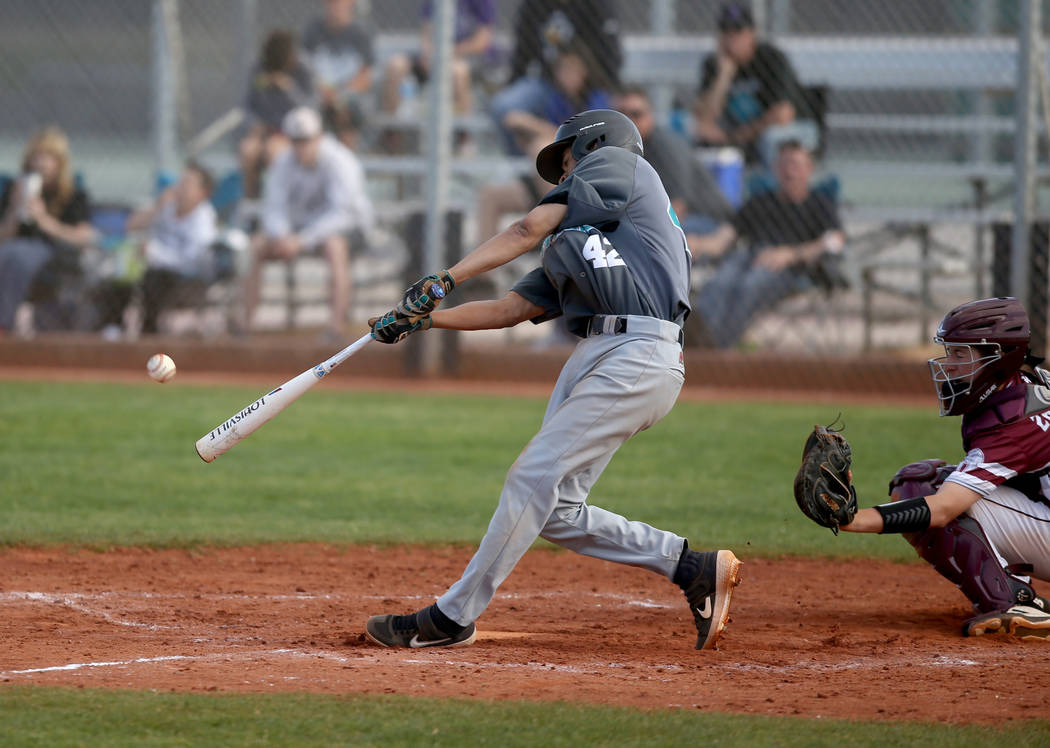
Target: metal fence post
245,16
164,122
438,157
1024,149
661,21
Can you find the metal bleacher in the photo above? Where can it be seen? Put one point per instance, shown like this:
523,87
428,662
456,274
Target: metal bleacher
895,196
894,251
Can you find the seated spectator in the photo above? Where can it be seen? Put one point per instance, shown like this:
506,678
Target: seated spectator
569,91
43,215
472,37
280,83
314,196
543,30
793,241
699,204
750,96
567,94
339,51
179,230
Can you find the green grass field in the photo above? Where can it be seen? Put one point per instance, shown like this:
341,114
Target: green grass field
37,716
100,465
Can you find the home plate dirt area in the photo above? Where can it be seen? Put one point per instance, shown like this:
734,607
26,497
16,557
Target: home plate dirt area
855,639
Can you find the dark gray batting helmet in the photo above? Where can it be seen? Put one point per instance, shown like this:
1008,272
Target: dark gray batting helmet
586,132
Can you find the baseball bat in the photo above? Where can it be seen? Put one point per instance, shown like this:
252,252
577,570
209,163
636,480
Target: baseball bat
251,418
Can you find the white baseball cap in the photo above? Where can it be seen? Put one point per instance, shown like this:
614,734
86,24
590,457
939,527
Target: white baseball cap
301,123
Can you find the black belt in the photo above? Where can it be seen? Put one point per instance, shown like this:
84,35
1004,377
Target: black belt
596,324
599,325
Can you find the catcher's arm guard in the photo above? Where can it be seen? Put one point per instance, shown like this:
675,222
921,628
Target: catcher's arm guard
824,484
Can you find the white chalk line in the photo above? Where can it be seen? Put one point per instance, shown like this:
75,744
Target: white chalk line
79,665
9,597
360,660
856,664
78,601
646,671
72,600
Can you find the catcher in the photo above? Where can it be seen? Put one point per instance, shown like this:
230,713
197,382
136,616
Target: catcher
984,524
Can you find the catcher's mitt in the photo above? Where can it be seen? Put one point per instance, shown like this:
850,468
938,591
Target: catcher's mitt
824,484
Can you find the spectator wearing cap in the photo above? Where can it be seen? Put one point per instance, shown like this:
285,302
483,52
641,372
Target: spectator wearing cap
750,96
313,198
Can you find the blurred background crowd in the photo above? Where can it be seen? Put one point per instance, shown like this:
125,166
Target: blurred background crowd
844,171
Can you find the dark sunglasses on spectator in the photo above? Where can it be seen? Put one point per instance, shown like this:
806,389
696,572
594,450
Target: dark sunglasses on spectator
636,113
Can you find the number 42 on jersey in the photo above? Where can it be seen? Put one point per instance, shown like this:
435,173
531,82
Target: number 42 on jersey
601,252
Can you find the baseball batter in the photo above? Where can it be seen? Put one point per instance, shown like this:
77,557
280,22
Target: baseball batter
616,266
984,524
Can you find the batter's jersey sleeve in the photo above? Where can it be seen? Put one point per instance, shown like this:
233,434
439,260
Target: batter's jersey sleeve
537,288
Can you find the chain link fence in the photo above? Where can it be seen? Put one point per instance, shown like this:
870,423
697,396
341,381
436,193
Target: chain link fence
909,150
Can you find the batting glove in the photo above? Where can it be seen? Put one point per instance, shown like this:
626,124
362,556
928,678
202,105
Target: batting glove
393,327
426,293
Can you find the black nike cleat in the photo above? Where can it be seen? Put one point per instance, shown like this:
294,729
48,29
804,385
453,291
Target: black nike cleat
414,631
709,593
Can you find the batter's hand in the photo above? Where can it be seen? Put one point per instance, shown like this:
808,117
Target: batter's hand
426,293
393,327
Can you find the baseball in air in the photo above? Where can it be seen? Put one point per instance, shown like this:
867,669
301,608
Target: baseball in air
161,368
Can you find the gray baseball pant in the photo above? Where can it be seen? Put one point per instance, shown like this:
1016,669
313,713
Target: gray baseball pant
612,387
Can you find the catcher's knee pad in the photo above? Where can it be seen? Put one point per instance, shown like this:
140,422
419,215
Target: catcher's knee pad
916,479
961,553
921,478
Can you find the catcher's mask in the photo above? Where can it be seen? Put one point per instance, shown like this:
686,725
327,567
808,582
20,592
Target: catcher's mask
586,132
985,343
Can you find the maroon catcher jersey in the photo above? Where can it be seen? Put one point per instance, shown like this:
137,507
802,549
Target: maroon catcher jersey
1007,441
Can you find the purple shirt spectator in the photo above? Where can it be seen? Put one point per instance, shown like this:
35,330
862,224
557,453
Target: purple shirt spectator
470,16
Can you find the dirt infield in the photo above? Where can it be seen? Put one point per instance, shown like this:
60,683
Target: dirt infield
563,627
802,641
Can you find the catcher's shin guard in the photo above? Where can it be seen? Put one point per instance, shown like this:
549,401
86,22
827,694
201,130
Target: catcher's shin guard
959,551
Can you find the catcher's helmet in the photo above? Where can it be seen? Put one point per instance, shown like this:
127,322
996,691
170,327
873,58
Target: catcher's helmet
585,132
985,343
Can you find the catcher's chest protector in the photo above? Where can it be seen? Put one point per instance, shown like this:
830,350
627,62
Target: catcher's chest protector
1020,400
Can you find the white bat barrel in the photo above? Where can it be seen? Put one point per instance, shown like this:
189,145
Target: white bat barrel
237,427
230,432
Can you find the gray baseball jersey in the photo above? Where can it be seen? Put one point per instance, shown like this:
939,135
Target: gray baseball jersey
619,250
